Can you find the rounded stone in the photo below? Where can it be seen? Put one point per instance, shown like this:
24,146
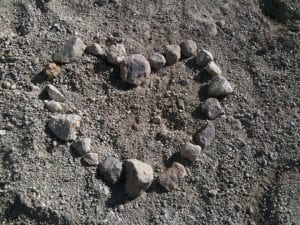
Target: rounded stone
173,54
212,108
190,151
203,58
188,48
213,69
91,159
219,86
157,61
135,69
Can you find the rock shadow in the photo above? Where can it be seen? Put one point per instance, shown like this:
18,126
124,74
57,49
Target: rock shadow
39,78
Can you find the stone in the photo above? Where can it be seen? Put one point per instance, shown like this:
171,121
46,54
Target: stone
64,126
2,132
190,152
213,69
188,48
111,170
171,177
206,135
95,50
52,70
101,2
211,108
156,120
53,106
157,61
91,159
116,54
82,146
135,69
139,177
219,86
203,58
213,192
173,54
70,51
54,93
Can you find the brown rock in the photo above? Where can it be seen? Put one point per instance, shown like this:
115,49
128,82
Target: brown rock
52,70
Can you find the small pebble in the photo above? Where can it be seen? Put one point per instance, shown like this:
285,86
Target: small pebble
54,93
6,84
190,151
211,108
116,54
173,54
135,69
53,106
2,132
156,120
101,2
213,192
213,69
219,86
188,48
82,146
203,58
206,135
157,61
91,159
52,70
95,50
171,177
111,169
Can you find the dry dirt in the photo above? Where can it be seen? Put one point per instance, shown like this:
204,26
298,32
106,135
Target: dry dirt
253,162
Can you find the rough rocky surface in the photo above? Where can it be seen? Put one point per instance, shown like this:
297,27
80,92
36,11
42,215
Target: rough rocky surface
253,160
139,176
171,177
111,170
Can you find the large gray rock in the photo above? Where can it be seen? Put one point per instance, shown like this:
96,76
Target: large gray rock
190,151
54,94
206,135
70,51
135,69
171,177
64,126
111,170
211,108
203,58
82,146
173,54
139,177
157,61
116,54
219,86
188,48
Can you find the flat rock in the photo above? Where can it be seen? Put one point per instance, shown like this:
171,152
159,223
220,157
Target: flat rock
82,146
95,49
213,69
190,151
111,170
157,61
64,126
203,58
53,106
135,69
219,86
211,108
91,159
188,48
171,177
206,135
54,94
139,177
70,51
173,54
116,54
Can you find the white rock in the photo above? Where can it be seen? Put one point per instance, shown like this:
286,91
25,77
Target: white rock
157,61
53,106
116,54
190,151
203,58
91,159
95,49
213,69
54,93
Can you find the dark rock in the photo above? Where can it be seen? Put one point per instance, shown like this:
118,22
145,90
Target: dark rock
205,135
111,169
211,108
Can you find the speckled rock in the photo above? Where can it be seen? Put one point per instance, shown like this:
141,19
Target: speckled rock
188,48
219,86
82,146
116,53
173,54
157,61
206,135
211,108
190,151
203,58
111,170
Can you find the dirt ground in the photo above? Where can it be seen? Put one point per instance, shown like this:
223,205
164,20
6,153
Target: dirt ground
253,163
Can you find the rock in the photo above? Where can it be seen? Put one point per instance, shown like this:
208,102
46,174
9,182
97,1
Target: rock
170,178
82,146
219,87
53,106
139,177
211,108
188,48
91,159
135,69
213,192
111,169
101,2
116,54
203,58
206,135
52,70
213,69
95,49
54,93
173,54
190,151
6,84
156,120
2,132
70,51
157,61
64,126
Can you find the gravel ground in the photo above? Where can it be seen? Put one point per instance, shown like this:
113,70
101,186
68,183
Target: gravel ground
249,174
